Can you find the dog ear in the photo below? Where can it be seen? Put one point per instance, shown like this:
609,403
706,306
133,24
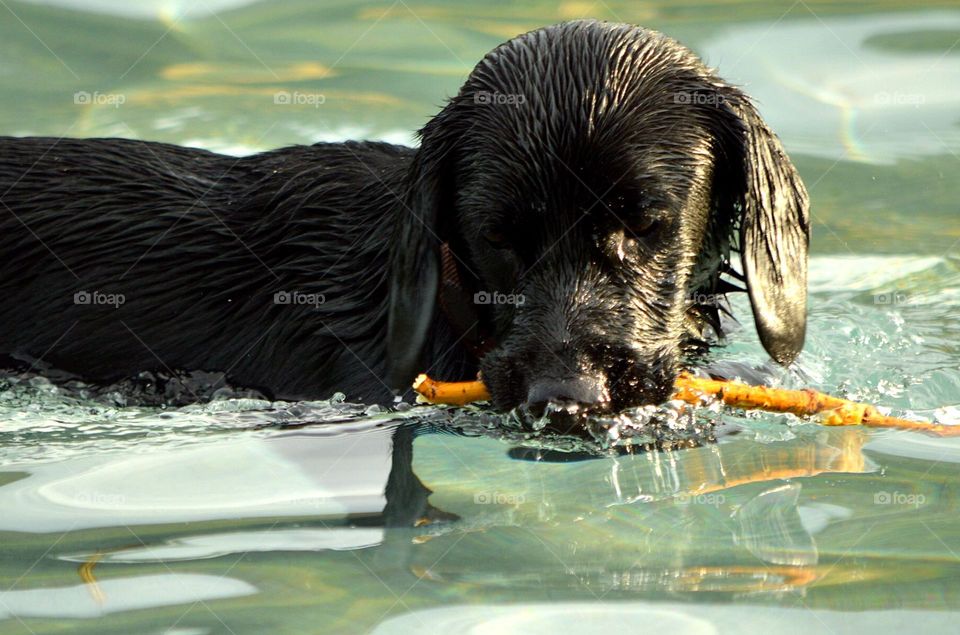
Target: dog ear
414,273
774,231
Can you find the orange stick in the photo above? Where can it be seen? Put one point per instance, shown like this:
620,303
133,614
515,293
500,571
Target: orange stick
454,393
833,410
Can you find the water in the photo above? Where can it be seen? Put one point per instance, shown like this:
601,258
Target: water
232,517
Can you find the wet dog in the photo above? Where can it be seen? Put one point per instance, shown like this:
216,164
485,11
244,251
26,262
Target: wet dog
566,227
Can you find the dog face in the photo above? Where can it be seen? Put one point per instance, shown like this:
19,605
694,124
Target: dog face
591,180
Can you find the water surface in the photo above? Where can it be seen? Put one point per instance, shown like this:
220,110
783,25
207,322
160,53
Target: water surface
232,517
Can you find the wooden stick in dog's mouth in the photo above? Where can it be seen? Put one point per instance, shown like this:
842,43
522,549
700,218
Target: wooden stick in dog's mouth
832,411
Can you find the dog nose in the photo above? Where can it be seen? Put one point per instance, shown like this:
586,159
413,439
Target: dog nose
575,390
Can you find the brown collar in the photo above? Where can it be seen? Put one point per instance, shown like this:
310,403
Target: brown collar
458,305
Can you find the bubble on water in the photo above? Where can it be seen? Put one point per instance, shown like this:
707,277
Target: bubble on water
885,387
948,415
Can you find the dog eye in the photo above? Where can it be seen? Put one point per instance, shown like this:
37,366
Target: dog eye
497,239
642,227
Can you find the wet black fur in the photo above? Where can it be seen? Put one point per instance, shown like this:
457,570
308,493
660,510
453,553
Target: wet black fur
598,170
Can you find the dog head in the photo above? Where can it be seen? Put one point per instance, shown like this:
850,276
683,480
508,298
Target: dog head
590,180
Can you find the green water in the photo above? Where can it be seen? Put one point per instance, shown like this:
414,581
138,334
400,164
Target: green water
220,519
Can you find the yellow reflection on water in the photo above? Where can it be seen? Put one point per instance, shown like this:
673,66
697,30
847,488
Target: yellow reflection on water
244,73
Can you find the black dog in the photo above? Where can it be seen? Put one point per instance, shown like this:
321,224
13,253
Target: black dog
563,227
